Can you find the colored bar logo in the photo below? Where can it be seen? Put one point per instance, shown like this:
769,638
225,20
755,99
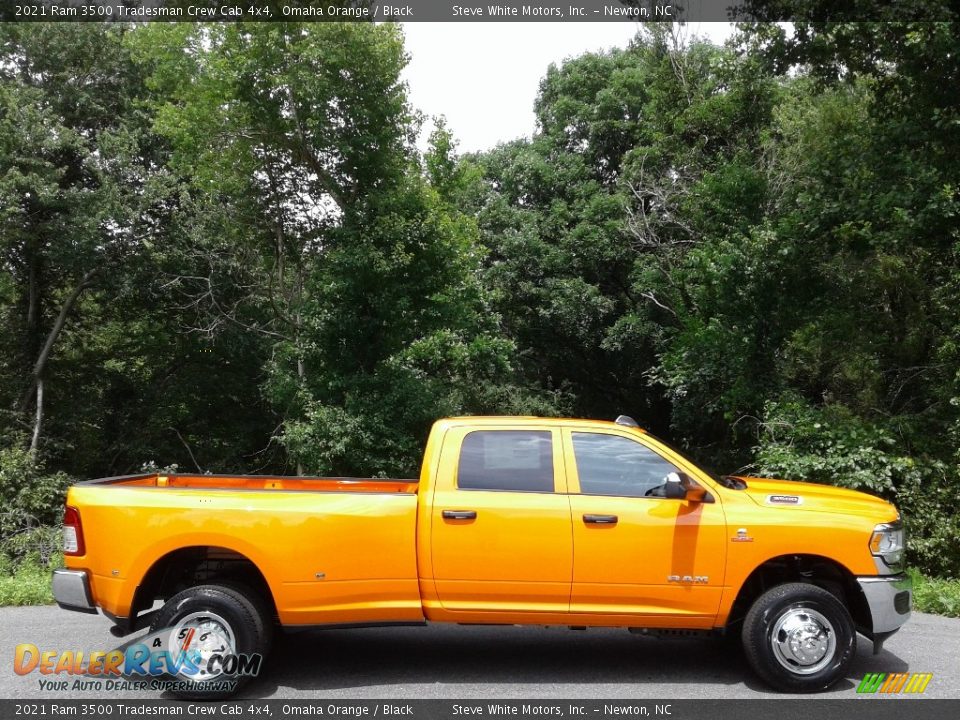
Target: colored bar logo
892,683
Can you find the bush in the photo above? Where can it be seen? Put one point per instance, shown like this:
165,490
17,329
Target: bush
25,489
830,445
933,527
32,544
30,532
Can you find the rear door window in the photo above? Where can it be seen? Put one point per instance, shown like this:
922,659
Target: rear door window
507,460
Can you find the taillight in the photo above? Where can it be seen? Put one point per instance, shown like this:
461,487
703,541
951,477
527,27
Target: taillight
72,532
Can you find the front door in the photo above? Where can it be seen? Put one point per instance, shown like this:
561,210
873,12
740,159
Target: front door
636,553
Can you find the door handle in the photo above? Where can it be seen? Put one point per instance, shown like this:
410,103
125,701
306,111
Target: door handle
459,514
600,519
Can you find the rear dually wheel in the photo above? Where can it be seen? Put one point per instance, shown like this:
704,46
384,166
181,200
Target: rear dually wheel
212,623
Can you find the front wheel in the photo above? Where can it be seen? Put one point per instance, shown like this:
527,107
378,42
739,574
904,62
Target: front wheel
217,638
799,638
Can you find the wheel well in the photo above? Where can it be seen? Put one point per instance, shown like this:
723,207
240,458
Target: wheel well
198,565
814,569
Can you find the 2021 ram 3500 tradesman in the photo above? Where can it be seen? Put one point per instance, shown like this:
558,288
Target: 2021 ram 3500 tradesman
513,521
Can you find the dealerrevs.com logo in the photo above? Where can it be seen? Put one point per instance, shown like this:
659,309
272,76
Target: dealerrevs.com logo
894,683
197,657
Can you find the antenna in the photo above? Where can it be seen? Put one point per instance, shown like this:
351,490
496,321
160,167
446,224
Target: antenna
627,421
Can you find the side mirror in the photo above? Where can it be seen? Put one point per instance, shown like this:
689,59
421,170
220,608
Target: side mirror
673,488
680,486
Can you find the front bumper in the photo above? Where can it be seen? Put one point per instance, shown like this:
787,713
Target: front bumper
71,590
889,598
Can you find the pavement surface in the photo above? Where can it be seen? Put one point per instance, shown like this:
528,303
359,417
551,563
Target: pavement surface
460,662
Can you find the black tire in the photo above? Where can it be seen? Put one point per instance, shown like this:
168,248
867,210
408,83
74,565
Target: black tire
823,632
242,612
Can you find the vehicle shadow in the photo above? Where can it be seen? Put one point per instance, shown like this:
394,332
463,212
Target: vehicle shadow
536,662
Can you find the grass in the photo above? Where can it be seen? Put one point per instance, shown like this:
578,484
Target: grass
935,595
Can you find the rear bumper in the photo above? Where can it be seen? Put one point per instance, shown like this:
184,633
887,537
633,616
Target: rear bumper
889,599
71,590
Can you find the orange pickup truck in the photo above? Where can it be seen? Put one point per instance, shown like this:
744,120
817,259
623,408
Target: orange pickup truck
513,521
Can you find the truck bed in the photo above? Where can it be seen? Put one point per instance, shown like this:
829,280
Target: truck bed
332,550
261,482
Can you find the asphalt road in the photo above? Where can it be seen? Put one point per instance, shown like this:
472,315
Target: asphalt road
454,662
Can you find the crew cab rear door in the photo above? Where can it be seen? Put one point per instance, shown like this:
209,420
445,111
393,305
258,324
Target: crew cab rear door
500,522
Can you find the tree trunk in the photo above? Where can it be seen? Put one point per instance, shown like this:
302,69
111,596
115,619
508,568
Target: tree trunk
31,342
301,375
40,366
38,418
33,300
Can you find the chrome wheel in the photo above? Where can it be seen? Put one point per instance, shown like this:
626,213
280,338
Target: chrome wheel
206,634
803,641
228,620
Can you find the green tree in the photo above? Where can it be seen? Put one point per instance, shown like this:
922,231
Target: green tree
609,230
333,243
99,370
73,200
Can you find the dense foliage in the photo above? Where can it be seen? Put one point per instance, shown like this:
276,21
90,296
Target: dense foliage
223,251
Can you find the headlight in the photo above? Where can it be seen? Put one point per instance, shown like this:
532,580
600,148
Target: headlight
886,542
